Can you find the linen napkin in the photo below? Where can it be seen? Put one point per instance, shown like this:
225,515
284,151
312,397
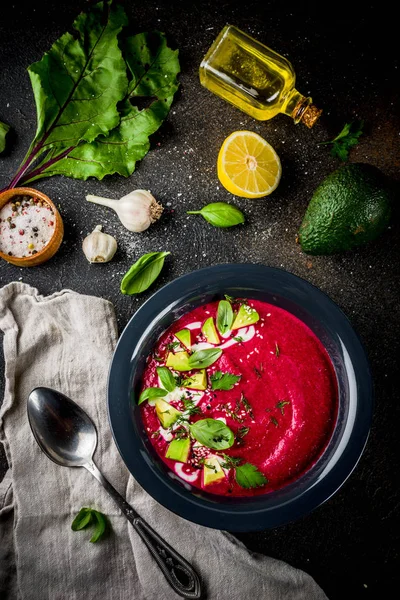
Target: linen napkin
65,341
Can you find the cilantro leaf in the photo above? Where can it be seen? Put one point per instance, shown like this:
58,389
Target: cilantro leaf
346,139
223,381
90,516
248,476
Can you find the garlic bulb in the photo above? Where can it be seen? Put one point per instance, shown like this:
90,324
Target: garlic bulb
137,210
99,247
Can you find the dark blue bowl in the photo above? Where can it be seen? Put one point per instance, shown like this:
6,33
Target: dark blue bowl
325,319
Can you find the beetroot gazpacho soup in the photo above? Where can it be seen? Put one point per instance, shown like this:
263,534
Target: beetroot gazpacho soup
239,397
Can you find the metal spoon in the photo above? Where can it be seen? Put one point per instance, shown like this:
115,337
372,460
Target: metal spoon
68,436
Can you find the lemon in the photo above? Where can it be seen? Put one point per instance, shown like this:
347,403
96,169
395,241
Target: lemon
248,166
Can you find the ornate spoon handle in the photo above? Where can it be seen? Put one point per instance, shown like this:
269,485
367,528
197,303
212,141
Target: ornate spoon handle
178,572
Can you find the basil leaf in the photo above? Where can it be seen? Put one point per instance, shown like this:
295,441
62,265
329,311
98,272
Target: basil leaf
89,516
224,316
204,358
3,132
248,476
143,273
82,519
167,379
212,433
220,214
223,381
150,393
100,528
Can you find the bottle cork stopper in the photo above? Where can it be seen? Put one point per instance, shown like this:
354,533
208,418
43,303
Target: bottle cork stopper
310,115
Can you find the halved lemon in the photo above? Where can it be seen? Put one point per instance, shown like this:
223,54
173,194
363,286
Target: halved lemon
248,166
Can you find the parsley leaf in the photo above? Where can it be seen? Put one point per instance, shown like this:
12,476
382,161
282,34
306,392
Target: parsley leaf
89,516
346,139
248,476
223,381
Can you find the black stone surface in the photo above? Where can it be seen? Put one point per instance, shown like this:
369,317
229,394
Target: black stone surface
346,58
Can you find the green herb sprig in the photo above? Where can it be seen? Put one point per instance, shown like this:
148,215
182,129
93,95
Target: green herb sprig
89,516
224,316
202,359
166,378
223,381
220,214
248,476
212,433
346,139
143,273
150,393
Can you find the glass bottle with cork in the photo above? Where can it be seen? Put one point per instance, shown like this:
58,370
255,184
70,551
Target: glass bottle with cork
254,78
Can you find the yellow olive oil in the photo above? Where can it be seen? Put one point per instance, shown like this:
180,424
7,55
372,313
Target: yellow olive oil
254,78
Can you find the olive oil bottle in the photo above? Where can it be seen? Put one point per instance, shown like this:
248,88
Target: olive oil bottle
254,78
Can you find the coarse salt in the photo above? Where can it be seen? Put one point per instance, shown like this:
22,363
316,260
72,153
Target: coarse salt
27,227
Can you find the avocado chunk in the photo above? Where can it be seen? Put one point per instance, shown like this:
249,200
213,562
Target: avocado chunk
198,381
178,361
179,450
166,413
212,470
246,316
352,206
210,331
184,336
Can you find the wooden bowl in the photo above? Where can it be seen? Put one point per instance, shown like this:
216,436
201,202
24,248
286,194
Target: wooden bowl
53,244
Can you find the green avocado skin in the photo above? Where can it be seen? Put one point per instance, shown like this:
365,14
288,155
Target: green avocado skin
351,207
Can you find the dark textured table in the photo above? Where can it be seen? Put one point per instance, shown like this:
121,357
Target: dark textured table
350,544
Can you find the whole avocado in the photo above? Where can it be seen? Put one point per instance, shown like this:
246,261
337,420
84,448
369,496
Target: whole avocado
351,207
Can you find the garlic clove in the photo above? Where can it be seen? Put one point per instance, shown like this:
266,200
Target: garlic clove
99,247
136,211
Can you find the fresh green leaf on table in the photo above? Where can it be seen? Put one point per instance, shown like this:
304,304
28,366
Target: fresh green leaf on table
90,516
220,214
90,120
248,476
143,273
154,68
224,316
3,132
201,359
166,378
82,519
100,526
346,139
223,381
212,433
77,85
150,393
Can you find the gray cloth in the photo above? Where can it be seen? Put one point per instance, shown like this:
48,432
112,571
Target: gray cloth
65,341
